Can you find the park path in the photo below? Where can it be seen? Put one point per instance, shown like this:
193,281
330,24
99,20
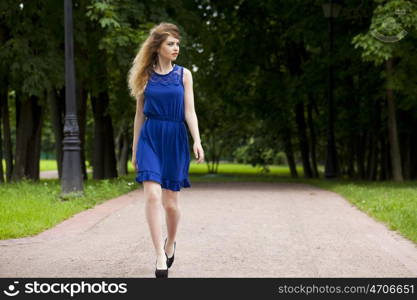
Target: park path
54,174
227,230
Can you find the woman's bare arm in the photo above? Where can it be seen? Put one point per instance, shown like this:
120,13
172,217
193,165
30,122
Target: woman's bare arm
139,120
190,114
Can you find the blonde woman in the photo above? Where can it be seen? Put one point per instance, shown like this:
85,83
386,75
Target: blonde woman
160,155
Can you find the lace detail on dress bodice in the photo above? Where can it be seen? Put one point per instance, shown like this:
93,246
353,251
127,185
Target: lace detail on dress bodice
172,78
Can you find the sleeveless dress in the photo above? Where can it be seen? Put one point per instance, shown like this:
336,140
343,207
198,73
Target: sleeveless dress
162,152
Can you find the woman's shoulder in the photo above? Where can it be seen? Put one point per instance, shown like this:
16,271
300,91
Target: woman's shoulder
186,72
182,67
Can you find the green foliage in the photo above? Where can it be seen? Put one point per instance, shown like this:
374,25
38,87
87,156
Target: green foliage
32,54
389,27
252,62
256,155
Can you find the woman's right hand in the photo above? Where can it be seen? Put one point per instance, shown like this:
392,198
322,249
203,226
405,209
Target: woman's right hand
134,163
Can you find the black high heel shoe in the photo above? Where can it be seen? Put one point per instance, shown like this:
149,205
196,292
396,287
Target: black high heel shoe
170,260
161,273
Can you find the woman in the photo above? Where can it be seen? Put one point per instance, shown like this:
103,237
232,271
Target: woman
160,153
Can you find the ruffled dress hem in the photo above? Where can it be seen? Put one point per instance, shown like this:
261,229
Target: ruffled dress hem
164,182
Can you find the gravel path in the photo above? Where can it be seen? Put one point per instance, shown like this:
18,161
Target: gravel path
226,230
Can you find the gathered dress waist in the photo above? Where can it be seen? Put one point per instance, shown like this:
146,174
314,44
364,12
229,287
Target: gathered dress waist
164,118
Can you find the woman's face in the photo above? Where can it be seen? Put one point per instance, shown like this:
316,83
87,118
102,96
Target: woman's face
170,48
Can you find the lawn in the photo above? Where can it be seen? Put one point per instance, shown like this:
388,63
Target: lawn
45,165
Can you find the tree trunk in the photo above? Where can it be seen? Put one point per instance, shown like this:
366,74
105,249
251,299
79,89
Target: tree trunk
312,136
360,154
413,149
213,153
28,138
4,116
407,155
2,96
372,157
123,153
56,104
405,142
352,103
82,122
7,139
34,151
110,164
104,158
351,156
302,137
372,164
384,158
288,149
98,139
392,127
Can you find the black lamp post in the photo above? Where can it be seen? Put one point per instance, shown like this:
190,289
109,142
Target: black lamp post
331,10
71,180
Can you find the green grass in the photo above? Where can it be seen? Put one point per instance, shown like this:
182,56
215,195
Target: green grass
45,165
48,165
242,169
27,208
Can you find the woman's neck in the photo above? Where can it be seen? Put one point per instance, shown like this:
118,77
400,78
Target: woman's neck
163,67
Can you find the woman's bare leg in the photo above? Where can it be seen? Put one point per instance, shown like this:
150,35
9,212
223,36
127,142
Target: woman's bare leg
170,202
153,209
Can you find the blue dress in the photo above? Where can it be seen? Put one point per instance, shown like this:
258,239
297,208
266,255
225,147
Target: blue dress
162,152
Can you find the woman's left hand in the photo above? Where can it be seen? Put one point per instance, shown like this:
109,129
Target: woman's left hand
198,152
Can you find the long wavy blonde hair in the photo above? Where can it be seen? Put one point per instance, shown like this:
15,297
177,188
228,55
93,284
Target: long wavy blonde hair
147,56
